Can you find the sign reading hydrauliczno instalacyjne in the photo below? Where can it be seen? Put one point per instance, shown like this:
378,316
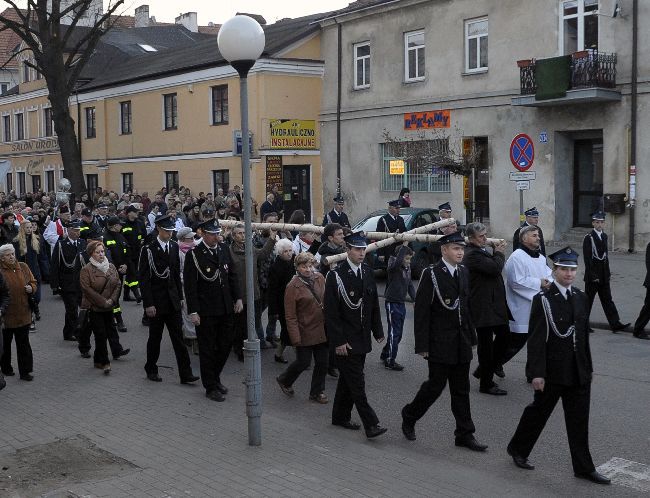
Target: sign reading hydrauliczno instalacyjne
293,134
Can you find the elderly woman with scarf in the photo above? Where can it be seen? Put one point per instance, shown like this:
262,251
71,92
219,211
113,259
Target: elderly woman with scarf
100,287
280,274
18,315
30,250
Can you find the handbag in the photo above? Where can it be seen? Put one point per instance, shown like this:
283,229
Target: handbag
31,298
83,318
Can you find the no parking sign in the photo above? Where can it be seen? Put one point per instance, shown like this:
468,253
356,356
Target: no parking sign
522,152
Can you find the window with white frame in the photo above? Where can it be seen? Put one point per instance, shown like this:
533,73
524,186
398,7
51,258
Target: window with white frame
125,118
578,26
20,126
6,127
91,123
414,56
427,178
48,119
170,109
26,72
476,45
362,65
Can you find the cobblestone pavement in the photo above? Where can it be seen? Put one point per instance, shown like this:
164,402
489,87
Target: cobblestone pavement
167,440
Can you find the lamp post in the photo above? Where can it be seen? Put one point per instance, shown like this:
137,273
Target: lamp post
241,41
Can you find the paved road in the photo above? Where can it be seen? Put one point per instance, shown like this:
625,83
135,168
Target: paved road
132,437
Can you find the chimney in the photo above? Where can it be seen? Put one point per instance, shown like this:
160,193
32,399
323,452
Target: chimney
142,16
189,20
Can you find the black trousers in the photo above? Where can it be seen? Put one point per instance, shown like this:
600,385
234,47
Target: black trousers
101,323
23,351
575,402
492,344
111,335
644,316
173,320
439,374
320,352
605,294
351,391
71,302
215,336
515,343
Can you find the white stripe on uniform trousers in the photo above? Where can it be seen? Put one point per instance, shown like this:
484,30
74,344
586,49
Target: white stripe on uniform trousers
390,329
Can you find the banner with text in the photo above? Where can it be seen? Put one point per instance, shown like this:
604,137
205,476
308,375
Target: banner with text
427,120
297,134
273,172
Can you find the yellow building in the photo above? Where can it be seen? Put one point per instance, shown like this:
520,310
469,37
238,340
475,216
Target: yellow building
171,118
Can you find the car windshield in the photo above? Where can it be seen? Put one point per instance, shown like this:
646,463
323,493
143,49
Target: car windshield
370,225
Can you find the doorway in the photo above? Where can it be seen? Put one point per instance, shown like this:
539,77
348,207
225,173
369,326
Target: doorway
297,190
587,180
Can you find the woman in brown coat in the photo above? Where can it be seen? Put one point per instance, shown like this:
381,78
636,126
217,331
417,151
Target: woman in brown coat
303,307
100,287
18,315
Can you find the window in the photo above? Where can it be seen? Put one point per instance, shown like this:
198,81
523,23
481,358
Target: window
220,104
21,183
476,45
92,182
578,26
125,118
220,179
10,182
36,183
429,179
26,72
127,182
414,56
4,87
171,111
6,125
20,126
171,180
49,122
362,65
91,130
49,180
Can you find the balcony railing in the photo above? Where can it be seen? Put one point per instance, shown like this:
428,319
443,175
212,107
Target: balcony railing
587,69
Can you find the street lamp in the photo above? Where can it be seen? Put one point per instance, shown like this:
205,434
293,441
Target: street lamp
241,41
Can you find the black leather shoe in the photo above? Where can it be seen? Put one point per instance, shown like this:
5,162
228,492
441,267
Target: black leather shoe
145,321
520,461
348,425
124,352
3,382
280,359
215,396
333,372
595,476
471,443
190,379
27,377
9,373
494,390
154,377
85,354
374,431
642,335
618,327
591,331
408,429
394,366
498,371
71,338
121,327
221,388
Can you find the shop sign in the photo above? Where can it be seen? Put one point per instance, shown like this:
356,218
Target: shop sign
427,120
273,172
396,167
298,134
36,145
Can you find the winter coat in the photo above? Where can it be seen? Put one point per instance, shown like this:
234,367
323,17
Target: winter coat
304,313
93,280
18,314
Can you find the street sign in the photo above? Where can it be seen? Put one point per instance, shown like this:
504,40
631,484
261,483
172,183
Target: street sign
522,152
543,137
396,167
516,176
523,185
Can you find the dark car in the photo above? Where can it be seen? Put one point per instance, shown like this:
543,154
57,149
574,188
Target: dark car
413,218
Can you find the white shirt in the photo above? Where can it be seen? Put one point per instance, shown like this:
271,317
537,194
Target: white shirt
452,269
355,268
163,245
599,233
563,290
300,245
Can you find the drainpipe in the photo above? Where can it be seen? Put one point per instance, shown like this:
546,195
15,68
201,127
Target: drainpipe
338,106
633,124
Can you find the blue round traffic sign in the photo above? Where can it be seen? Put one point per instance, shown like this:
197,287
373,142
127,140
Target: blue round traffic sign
522,152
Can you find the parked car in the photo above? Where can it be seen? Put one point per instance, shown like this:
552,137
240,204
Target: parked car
413,218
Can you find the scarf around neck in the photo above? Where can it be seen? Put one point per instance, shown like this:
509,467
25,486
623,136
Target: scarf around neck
103,267
532,253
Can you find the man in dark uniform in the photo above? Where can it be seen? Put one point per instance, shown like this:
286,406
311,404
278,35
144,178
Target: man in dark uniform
644,315
159,274
89,224
351,316
213,296
68,257
597,274
559,362
532,219
444,212
117,250
134,232
444,337
102,215
391,222
336,215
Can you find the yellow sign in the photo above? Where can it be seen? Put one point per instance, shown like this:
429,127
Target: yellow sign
293,134
466,189
396,167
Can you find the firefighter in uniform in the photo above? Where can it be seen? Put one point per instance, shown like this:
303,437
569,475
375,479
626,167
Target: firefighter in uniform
134,232
337,215
391,222
213,296
89,225
159,273
559,362
117,249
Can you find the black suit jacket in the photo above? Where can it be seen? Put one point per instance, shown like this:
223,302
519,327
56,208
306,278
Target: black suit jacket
516,244
163,293
387,224
486,289
345,325
550,356
334,217
210,298
61,277
646,282
594,268
439,331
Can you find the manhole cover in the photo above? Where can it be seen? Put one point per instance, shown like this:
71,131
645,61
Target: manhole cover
35,470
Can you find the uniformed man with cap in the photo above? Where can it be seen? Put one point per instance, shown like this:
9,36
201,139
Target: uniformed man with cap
134,232
391,222
102,214
336,215
532,219
117,251
559,362
597,273
444,211
89,225
352,315
444,335
68,257
212,296
159,273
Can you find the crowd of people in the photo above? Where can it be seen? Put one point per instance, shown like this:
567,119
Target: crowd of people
172,256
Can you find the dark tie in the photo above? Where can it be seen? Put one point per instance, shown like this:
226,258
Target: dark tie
359,275
456,276
568,295
166,249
